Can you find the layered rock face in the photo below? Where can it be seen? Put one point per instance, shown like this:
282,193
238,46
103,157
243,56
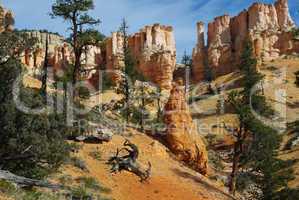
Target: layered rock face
219,44
153,49
59,54
115,56
182,137
6,20
268,27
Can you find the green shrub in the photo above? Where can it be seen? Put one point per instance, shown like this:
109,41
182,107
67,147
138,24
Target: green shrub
295,32
79,192
215,160
89,182
77,162
65,179
7,187
84,93
96,155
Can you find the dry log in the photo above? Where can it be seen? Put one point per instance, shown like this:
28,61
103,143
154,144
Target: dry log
19,180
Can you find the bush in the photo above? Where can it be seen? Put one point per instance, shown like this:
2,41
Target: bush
84,93
96,155
215,160
89,187
89,182
7,187
65,180
77,162
295,32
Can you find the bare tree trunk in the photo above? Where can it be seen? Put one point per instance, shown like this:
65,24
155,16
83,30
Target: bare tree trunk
235,169
45,69
238,151
6,175
142,107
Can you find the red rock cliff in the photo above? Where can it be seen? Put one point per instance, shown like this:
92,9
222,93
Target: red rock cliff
6,20
267,26
153,48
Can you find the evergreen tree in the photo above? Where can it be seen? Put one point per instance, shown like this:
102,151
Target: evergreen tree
45,68
208,73
130,71
76,13
268,171
256,144
187,60
31,145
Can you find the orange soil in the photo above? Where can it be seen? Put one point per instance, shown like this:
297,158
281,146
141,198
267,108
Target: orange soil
170,179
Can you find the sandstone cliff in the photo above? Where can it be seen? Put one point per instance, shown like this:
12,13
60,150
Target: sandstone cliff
182,136
60,54
267,26
6,20
153,49
57,51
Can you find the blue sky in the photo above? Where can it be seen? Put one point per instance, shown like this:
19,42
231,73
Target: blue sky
181,14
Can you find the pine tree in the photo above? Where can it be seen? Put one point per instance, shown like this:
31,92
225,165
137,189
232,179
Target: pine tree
130,70
45,68
256,144
208,73
76,13
30,145
187,62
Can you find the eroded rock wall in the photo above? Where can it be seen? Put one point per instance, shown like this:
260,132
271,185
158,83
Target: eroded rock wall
153,49
267,26
6,20
60,54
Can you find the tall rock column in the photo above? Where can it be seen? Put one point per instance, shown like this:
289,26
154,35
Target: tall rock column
219,45
182,137
199,54
115,56
267,26
283,14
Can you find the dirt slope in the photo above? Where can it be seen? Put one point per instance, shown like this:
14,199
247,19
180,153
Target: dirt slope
170,179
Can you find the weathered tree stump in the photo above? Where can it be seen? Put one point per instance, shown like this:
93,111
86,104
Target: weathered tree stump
129,162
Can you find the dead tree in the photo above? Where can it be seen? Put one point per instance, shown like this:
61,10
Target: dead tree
19,180
129,162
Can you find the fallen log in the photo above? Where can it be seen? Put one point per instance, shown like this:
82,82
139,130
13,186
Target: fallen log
19,180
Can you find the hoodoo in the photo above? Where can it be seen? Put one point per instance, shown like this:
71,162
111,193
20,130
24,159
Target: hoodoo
267,26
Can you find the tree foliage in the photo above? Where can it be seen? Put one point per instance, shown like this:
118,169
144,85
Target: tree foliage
257,144
31,145
131,74
13,44
76,13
